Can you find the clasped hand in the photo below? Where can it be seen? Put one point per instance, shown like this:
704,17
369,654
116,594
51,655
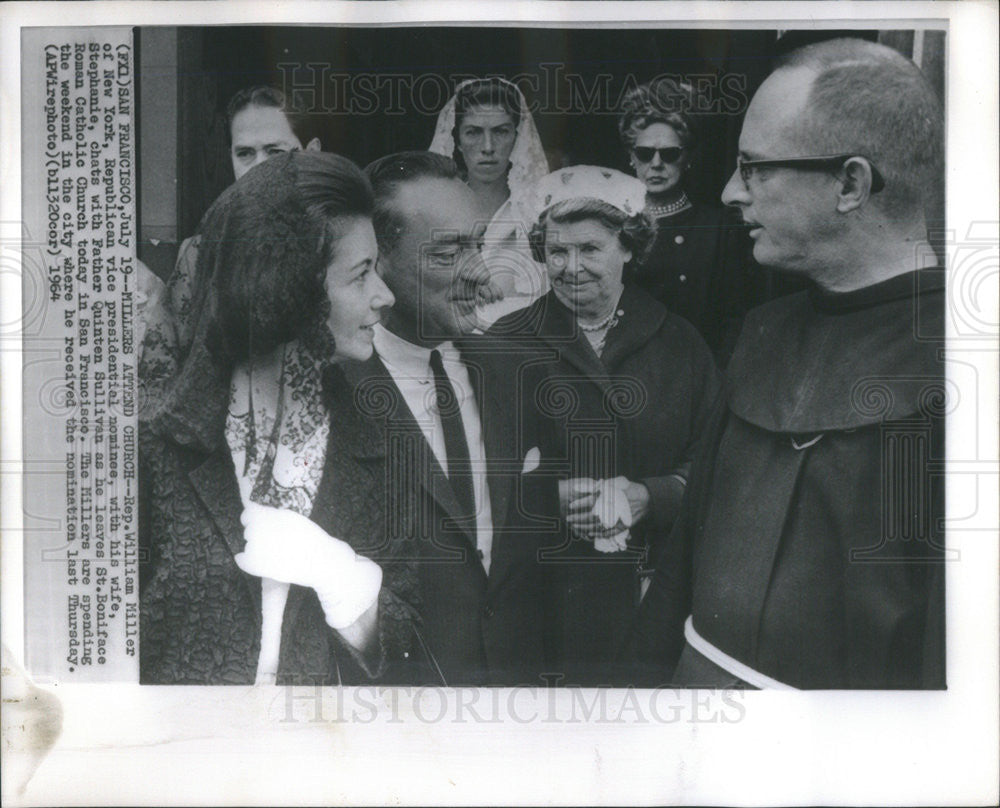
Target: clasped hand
577,497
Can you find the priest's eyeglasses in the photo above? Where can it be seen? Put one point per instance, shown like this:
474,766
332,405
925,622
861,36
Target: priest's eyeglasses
819,162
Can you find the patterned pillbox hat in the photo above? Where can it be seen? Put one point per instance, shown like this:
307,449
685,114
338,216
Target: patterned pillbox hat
623,191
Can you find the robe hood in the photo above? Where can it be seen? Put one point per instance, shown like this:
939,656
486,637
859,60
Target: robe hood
815,361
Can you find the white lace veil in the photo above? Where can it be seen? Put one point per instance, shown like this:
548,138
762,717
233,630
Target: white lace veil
528,161
507,251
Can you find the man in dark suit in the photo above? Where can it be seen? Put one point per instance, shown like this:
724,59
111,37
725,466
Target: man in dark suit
456,452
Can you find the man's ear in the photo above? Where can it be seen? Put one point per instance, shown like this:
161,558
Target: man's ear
856,185
313,145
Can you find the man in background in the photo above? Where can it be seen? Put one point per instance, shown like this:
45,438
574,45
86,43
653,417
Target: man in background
261,124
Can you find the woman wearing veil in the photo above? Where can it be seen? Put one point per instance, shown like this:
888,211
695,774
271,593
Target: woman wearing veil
487,129
261,123
261,562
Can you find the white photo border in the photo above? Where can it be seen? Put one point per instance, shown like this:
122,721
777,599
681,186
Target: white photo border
126,744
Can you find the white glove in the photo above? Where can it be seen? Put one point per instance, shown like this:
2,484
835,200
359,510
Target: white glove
286,546
612,508
612,544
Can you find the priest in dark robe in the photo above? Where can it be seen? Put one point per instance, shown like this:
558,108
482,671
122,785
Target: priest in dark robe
809,552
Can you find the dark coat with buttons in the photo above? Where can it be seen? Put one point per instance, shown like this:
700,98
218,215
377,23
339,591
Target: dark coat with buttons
636,411
700,267
474,628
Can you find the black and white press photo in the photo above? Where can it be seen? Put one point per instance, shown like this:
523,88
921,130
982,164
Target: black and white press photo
558,387
327,314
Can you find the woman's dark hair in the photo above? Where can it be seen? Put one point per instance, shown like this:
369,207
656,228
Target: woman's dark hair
635,233
661,101
268,241
492,92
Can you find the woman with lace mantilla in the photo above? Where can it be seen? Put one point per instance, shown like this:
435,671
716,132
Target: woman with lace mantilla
261,566
487,129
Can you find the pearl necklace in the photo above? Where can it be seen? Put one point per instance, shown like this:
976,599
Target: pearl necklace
606,324
659,211
597,334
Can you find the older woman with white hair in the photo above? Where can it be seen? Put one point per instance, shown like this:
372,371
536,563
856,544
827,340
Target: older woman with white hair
630,386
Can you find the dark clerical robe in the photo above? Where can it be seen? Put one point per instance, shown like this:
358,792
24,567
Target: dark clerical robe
810,545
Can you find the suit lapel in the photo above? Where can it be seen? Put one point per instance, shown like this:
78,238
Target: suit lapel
498,419
388,429
494,370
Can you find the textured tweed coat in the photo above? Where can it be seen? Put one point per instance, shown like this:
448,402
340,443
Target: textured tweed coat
200,614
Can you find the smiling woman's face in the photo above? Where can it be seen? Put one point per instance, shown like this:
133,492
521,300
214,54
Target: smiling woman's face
585,261
486,137
356,293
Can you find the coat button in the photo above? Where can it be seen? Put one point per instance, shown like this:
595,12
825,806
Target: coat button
678,239
489,611
682,278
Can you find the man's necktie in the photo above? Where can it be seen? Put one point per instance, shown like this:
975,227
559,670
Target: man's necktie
455,444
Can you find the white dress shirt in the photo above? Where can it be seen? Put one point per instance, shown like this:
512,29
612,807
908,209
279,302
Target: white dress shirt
410,368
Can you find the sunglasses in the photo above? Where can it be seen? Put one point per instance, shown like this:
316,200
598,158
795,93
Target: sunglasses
668,154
